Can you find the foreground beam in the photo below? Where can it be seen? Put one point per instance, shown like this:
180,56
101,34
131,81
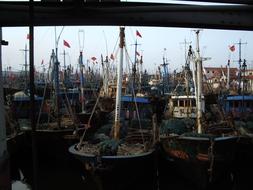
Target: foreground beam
4,157
238,17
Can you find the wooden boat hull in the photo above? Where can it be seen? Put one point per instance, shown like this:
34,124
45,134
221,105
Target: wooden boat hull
203,161
120,172
244,164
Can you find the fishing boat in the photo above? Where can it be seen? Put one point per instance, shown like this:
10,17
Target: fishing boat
203,151
112,157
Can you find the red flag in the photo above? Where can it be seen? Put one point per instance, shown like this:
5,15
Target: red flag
28,36
93,58
138,34
112,57
137,53
65,43
232,48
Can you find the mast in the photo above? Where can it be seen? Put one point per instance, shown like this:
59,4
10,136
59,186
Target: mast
135,64
141,73
56,87
105,67
56,70
240,64
165,72
228,74
199,84
119,85
26,65
64,67
81,65
81,79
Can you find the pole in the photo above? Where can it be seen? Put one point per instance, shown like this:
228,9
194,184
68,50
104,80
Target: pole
57,88
81,79
4,158
240,64
228,75
119,85
26,75
199,85
26,65
32,113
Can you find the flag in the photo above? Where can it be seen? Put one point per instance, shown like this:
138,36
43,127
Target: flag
93,58
232,48
138,34
65,43
137,53
28,36
112,57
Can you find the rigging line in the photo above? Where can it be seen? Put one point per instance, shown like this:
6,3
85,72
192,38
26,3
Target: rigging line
137,110
44,94
106,45
116,44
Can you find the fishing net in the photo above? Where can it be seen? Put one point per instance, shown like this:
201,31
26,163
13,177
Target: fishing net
176,126
108,147
145,123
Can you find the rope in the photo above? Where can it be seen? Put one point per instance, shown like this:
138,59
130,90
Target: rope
86,128
138,116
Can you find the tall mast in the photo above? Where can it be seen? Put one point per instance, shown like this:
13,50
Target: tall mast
119,85
240,64
141,62
165,72
64,67
135,65
105,66
81,79
81,65
199,84
228,74
56,70
26,65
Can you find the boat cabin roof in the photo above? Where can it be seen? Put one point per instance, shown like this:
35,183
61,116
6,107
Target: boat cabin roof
240,97
144,100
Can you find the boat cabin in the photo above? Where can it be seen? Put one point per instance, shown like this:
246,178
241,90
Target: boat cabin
239,105
184,106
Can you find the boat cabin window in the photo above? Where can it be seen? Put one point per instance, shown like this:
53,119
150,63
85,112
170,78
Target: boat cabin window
187,103
193,102
181,103
236,104
231,104
175,103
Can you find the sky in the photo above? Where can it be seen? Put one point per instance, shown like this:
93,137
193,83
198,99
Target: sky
97,40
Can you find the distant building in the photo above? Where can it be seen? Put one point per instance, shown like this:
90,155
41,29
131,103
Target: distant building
217,77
